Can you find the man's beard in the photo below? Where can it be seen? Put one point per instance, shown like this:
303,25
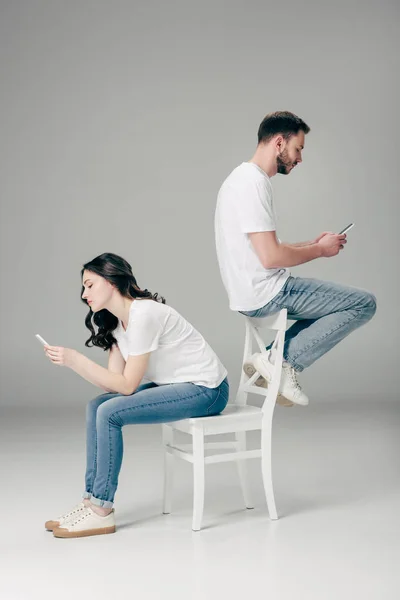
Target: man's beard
284,164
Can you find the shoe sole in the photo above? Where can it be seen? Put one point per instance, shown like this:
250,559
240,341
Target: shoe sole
262,382
59,532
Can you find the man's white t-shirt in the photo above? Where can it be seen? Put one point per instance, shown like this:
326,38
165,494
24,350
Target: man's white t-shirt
245,205
179,353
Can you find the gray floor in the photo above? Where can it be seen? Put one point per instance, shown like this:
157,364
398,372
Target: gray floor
337,484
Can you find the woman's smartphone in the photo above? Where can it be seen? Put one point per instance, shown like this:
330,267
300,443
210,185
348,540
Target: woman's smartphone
41,340
346,229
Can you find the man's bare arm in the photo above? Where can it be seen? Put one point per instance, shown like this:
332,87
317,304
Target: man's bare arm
274,255
301,244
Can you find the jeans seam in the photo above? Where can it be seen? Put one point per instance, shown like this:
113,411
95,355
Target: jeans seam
318,340
109,462
316,292
94,470
95,461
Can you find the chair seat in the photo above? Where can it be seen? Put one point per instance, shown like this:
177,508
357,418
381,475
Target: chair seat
233,418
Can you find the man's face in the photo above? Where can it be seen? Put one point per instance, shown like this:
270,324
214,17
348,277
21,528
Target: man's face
290,153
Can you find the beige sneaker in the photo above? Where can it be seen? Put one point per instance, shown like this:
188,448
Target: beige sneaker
87,522
265,379
60,521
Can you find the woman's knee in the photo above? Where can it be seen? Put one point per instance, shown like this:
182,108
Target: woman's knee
109,414
94,404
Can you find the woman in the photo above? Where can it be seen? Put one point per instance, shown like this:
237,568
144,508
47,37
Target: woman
145,338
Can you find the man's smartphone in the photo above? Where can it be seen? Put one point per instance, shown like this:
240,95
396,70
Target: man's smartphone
346,229
41,340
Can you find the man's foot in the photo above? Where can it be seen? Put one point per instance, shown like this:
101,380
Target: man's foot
60,521
290,387
86,523
263,381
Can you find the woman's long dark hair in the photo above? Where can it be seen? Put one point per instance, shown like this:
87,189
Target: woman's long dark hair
118,272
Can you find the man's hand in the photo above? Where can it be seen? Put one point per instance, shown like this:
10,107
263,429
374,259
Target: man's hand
322,235
331,244
64,357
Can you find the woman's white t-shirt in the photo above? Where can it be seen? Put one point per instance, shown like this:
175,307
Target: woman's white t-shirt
179,353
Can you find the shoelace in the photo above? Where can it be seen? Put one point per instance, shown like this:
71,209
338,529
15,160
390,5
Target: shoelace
293,378
82,517
72,512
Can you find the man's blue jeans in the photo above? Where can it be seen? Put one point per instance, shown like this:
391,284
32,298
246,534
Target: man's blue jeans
151,403
324,312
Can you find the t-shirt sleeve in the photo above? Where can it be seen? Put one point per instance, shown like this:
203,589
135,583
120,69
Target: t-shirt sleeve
144,334
254,206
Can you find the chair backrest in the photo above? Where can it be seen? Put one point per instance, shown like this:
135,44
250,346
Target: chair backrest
277,323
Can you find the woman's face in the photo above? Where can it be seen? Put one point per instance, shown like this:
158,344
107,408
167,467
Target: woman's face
97,290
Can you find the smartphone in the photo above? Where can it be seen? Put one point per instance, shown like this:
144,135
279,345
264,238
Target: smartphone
41,340
346,229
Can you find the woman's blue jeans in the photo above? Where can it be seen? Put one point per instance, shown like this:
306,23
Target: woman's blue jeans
151,403
324,312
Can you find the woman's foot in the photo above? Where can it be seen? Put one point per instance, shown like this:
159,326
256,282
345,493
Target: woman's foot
60,521
86,523
100,510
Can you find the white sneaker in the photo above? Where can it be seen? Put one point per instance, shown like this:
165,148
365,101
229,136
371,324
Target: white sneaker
267,368
87,522
290,387
60,521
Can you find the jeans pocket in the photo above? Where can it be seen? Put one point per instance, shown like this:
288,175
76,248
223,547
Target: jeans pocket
220,401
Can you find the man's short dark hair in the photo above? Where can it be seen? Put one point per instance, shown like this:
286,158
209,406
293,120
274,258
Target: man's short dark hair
282,123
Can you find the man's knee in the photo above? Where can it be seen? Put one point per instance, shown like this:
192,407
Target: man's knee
370,304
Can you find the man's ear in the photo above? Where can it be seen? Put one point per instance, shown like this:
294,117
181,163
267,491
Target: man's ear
278,142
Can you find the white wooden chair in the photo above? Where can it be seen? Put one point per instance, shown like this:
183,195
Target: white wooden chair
237,418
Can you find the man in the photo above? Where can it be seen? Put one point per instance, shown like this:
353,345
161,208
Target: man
255,264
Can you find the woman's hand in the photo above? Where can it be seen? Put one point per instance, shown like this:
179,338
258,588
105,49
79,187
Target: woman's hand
64,357
124,382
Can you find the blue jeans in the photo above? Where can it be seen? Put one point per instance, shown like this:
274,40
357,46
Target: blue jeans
151,403
324,312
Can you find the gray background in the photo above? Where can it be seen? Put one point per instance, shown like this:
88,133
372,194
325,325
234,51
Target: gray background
120,120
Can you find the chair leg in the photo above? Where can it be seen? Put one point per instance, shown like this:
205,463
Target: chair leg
243,470
266,466
198,478
168,437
